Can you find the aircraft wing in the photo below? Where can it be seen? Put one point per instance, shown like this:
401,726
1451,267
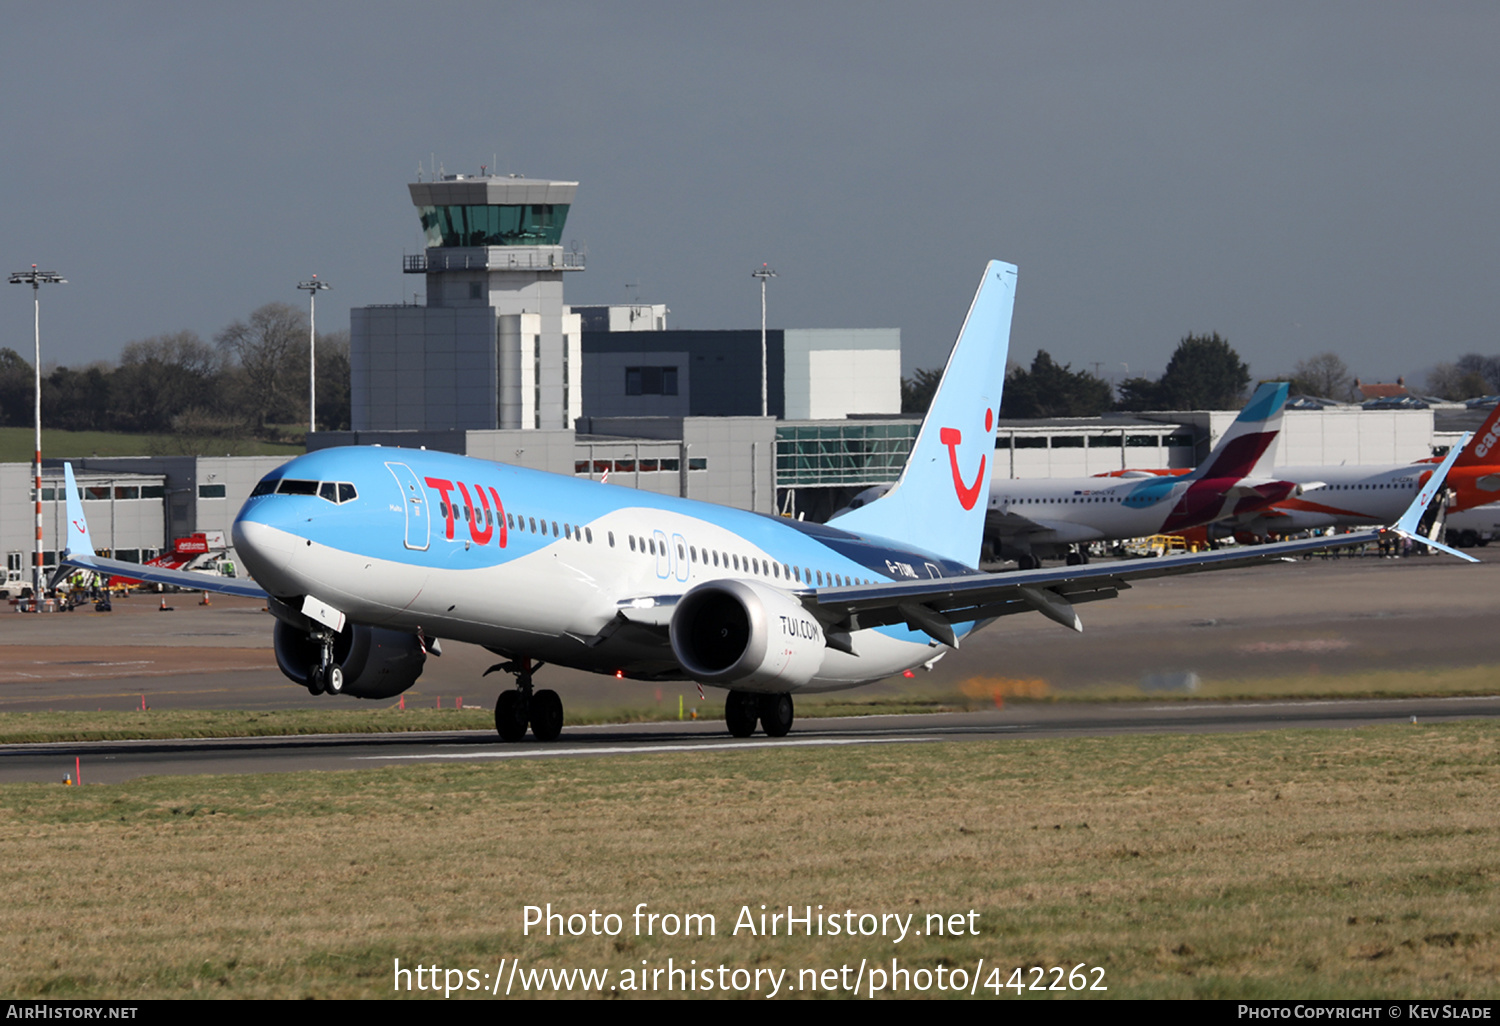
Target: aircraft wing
188,580
78,553
938,606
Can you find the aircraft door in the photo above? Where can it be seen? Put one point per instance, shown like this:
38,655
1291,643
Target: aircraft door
414,501
663,555
679,554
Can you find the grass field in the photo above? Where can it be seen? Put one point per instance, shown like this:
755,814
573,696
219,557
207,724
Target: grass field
1285,864
18,445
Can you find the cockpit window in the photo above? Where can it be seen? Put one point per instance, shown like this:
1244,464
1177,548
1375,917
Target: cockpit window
333,491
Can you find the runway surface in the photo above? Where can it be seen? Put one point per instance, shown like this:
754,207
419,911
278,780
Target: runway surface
1306,619
113,762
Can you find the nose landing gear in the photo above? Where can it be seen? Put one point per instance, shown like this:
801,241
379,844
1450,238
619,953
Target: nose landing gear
515,710
327,676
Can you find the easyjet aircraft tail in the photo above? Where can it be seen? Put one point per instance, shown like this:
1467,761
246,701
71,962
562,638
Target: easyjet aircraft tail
1483,450
939,503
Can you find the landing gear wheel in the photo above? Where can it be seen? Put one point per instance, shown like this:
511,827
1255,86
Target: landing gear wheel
741,710
1027,562
1074,559
776,714
333,680
315,682
510,716
546,715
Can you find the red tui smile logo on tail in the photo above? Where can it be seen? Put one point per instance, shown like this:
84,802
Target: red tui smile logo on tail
953,438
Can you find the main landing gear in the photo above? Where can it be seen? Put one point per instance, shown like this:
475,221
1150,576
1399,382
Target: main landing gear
327,676
742,709
515,710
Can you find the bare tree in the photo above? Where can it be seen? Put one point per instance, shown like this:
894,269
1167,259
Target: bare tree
162,376
1450,381
270,350
1324,375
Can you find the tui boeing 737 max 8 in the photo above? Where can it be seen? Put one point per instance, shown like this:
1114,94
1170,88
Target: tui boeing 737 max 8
369,557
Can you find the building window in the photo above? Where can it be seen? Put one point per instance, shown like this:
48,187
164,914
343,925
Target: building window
650,380
211,491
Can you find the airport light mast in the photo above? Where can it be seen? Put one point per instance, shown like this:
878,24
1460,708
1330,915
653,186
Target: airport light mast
312,287
763,272
36,279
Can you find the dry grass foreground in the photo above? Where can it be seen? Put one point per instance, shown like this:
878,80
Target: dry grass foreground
1293,863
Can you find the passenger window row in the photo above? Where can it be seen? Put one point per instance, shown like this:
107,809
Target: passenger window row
746,564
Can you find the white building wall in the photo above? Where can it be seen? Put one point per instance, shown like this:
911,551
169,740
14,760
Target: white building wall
1352,436
834,372
573,368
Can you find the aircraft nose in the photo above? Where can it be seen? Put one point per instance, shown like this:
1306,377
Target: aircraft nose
268,548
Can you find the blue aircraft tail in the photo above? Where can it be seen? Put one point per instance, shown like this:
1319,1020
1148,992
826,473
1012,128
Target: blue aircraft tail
940,501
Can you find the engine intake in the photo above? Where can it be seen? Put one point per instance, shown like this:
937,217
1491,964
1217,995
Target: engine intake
746,635
377,663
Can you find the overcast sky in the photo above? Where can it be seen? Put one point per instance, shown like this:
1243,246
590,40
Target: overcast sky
1298,177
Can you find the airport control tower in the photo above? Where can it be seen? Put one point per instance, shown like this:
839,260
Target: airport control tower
494,346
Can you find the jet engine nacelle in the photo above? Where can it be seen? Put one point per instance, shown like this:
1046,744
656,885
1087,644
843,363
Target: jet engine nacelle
377,663
746,635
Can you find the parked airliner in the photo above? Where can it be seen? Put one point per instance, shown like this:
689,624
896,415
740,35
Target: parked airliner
370,557
1031,519
1355,496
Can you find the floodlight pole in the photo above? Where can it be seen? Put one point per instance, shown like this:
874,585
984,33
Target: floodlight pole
36,279
763,272
312,287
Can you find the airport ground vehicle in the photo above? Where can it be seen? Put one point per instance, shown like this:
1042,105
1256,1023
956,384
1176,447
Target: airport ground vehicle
1478,526
15,586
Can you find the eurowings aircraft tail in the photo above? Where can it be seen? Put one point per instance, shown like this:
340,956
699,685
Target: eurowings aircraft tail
1248,448
939,503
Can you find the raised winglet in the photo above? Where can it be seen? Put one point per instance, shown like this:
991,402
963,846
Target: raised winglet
1406,527
79,543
